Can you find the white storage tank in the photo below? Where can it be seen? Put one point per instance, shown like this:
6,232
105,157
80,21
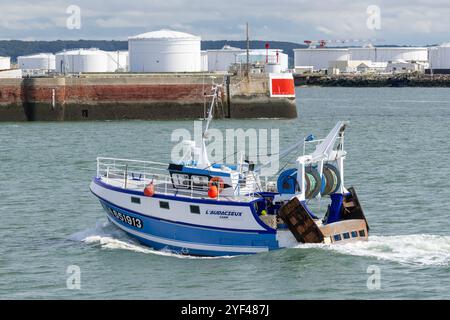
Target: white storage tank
319,58
5,63
39,61
220,60
271,56
164,51
82,60
273,68
440,58
386,54
204,61
117,61
362,54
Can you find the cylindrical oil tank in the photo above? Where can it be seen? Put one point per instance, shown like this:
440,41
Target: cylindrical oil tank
366,54
222,59
39,61
5,63
204,61
386,54
164,51
273,68
117,61
261,56
319,58
82,60
440,57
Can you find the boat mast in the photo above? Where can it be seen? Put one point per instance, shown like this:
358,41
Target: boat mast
211,110
203,160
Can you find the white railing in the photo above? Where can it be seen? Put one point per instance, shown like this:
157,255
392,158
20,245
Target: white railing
136,174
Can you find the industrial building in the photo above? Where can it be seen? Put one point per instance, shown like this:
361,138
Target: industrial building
364,59
39,61
164,51
351,66
439,59
5,63
405,66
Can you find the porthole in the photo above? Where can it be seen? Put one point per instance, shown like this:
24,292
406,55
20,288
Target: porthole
164,204
195,209
136,200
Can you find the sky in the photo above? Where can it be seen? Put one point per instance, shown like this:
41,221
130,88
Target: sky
401,22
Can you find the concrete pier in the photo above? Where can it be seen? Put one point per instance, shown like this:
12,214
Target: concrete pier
137,96
374,80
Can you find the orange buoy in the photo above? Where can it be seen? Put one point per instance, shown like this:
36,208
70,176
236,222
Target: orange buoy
213,192
149,190
216,182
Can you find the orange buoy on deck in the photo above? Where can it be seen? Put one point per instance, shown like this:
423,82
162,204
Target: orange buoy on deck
213,192
216,182
149,190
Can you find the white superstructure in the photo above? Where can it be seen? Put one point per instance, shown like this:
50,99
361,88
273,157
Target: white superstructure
319,58
39,61
82,60
164,51
5,63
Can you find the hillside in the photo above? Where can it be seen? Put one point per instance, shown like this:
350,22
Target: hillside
15,48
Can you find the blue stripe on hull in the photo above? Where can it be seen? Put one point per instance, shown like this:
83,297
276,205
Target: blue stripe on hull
161,234
176,198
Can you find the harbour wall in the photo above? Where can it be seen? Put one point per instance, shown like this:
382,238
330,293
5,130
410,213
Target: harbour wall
137,96
374,80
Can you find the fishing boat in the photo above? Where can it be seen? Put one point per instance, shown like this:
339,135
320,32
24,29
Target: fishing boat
196,207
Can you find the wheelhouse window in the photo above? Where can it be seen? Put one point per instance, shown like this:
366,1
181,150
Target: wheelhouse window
354,234
337,237
346,235
180,180
164,204
136,200
362,233
195,209
200,182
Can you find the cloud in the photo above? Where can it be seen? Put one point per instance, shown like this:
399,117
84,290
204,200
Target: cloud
402,21
324,30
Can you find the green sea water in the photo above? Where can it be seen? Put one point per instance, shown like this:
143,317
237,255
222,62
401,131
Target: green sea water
398,144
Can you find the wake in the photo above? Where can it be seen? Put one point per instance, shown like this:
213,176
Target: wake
415,249
107,236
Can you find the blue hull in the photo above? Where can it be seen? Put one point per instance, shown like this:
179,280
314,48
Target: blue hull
186,239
